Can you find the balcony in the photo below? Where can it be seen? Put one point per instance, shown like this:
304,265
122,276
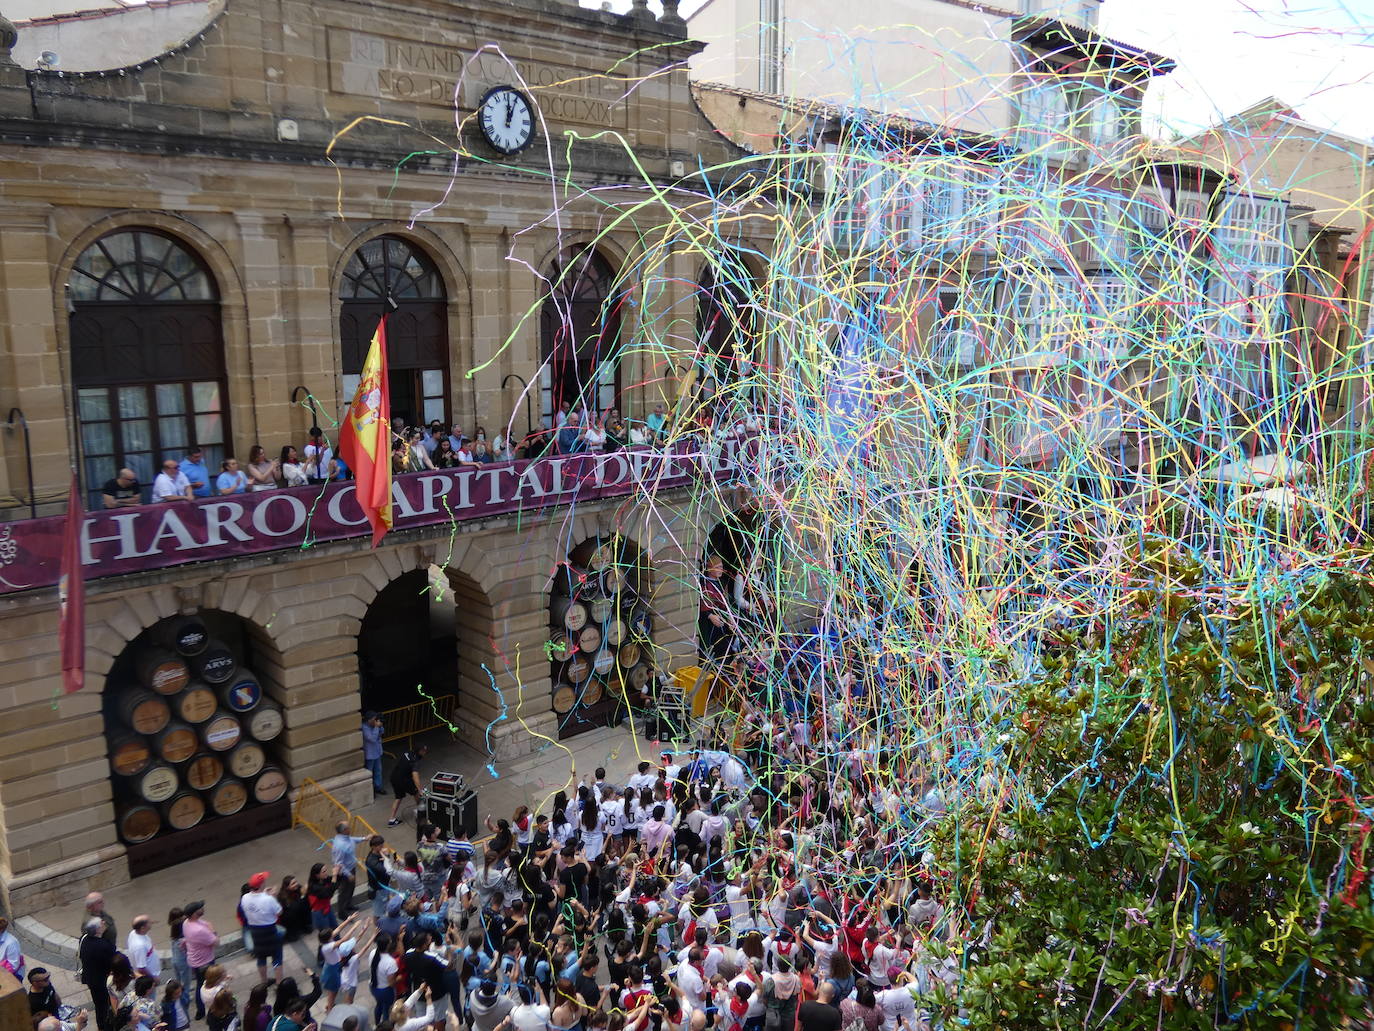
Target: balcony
133,540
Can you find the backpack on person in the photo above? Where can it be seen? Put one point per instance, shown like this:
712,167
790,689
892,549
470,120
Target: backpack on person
778,1014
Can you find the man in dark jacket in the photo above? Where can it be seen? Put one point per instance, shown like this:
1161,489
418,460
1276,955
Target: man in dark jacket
96,954
378,880
424,968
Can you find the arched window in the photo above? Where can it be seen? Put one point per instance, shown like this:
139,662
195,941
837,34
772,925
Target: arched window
725,323
147,357
416,333
579,330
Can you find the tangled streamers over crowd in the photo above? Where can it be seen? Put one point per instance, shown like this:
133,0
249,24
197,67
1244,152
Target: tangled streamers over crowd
1038,597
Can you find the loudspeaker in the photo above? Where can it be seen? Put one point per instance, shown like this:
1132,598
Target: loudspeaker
450,814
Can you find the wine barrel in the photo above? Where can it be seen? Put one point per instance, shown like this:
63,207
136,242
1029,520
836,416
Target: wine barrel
129,755
589,638
641,622
568,613
204,771
628,655
183,811
176,743
578,669
600,609
613,579
604,661
196,704
228,797
222,732
144,711
157,783
216,664
560,648
187,636
591,694
563,697
139,823
615,633
165,672
243,693
265,722
246,760
270,785
638,676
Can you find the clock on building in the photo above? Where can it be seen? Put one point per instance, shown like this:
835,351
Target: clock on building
507,119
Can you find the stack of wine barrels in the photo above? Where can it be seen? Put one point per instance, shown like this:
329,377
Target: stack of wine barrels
601,636
190,738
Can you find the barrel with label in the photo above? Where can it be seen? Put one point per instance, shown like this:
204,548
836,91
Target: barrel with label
613,579
638,676
270,785
216,664
641,622
222,732
578,669
601,609
187,636
615,633
196,704
176,743
628,655
246,760
560,648
265,722
568,613
604,662
129,755
163,671
591,694
228,797
204,771
157,783
563,697
144,711
183,811
589,638
139,823
241,694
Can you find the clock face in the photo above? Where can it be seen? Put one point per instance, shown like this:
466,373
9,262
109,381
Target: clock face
506,118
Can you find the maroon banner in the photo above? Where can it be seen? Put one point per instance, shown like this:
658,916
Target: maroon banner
131,540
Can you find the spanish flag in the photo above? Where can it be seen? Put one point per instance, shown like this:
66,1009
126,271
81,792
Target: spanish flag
365,440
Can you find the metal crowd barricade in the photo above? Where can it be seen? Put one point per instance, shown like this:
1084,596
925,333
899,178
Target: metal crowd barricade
319,812
410,720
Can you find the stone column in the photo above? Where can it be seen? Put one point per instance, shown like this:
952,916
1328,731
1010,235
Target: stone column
33,373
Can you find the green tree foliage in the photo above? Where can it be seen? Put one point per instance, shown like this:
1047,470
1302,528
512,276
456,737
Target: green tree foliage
1183,835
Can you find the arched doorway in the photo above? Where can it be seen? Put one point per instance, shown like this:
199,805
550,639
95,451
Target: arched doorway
601,633
147,357
579,332
196,734
407,643
416,332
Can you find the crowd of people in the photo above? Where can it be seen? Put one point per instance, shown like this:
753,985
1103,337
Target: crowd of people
723,890
190,476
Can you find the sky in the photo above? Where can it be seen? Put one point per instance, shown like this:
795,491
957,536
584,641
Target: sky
1316,55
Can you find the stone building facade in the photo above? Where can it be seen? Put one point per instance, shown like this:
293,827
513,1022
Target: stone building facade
259,160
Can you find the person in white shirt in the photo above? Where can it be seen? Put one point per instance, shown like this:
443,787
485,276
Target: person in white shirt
11,955
171,484
260,912
529,1015
898,1005
691,980
142,952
